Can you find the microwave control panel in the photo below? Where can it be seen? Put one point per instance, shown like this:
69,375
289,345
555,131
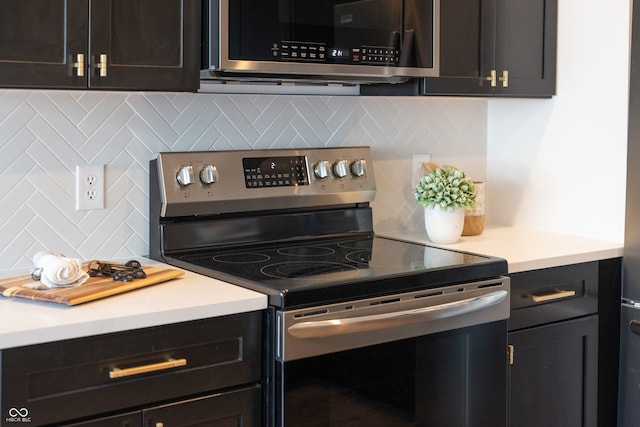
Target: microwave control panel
319,52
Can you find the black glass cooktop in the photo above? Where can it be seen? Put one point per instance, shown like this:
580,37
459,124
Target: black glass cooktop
341,268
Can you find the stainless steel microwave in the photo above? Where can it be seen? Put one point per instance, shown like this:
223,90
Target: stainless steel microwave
328,40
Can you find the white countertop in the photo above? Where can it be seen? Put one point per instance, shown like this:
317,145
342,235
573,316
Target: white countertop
525,249
192,296
189,297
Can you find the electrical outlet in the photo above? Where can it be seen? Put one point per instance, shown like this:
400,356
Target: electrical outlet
417,167
89,187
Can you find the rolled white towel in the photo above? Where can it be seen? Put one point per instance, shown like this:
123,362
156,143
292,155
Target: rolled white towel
58,270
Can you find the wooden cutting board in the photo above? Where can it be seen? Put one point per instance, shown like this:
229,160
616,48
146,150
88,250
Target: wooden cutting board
94,288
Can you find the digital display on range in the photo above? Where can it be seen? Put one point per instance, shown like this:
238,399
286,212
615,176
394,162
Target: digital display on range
265,172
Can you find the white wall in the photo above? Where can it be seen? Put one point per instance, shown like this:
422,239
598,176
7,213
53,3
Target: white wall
560,164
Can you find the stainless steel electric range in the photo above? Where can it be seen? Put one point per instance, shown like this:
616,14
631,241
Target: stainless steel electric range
362,330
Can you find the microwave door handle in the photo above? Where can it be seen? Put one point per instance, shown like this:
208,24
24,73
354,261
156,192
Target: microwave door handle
333,327
407,57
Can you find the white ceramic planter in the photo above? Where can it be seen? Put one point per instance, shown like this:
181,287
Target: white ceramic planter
443,225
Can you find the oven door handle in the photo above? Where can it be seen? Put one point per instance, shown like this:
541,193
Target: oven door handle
333,327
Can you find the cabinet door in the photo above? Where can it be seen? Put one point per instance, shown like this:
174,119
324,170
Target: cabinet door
467,48
513,39
40,41
526,47
145,44
553,378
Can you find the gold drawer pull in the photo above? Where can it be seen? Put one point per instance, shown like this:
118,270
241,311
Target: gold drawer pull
79,65
492,78
137,370
505,78
553,296
102,65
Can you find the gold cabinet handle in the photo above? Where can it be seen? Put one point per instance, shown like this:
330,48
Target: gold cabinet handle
505,78
137,370
102,65
79,65
492,78
553,296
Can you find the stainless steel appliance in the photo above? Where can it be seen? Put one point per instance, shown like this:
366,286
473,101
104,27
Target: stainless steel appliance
629,396
338,40
363,330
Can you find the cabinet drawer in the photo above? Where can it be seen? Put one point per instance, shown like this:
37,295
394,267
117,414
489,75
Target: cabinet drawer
553,294
238,408
83,377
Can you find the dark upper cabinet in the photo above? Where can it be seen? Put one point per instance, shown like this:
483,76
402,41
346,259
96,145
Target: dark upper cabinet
496,47
103,44
39,41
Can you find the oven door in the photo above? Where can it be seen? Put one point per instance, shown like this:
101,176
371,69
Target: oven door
455,379
435,358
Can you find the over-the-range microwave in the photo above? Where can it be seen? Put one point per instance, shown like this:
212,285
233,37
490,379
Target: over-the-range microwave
360,41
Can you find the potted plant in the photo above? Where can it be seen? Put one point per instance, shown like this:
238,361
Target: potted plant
445,192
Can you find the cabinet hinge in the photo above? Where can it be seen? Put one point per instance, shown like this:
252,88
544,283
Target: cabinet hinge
510,351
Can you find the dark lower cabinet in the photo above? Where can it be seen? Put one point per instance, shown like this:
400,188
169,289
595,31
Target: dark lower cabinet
204,372
553,378
563,345
103,44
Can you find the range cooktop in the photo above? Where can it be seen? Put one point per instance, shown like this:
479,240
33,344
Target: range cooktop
340,268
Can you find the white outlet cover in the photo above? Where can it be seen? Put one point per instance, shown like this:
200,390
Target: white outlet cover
89,187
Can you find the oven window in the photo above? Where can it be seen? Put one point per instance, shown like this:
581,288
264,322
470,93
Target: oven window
454,378
312,30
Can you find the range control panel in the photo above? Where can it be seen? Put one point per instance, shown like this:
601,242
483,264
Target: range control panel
261,172
214,182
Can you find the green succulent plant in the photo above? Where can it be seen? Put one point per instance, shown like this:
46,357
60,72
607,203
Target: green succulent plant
446,187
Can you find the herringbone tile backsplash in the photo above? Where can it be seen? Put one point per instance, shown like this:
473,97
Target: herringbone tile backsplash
45,134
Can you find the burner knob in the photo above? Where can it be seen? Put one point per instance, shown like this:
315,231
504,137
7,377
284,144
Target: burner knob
185,176
340,168
209,174
321,169
359,167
